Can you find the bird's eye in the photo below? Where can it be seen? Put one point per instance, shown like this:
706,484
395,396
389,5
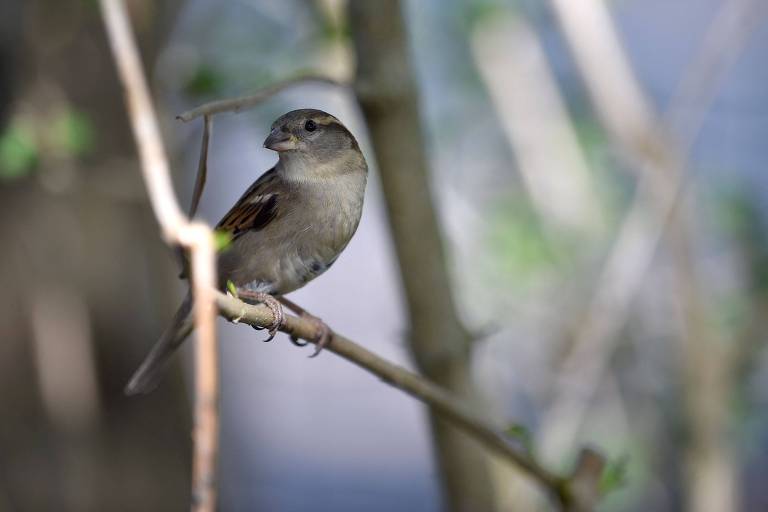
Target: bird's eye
310,126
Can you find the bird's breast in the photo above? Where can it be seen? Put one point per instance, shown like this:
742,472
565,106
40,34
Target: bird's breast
305,241
325,235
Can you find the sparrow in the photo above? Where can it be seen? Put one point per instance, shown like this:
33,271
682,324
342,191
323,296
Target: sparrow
288,227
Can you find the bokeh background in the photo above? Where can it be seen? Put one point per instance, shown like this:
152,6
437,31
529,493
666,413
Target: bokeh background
597,173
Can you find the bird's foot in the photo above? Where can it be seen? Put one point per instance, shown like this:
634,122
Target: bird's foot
324,333
323,336
274,306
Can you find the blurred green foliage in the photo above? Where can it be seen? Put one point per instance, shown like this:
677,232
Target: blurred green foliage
517,239
614,475
72,133
613,188
334,30
476,12
205,81
738,215
19,152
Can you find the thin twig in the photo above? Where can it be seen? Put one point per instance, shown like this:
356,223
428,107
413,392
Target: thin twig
176,230
451,408
202,166
246,102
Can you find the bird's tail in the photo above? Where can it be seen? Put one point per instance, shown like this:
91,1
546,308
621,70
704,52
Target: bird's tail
147,376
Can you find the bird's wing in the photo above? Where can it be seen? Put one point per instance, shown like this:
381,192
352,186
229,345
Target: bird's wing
255,209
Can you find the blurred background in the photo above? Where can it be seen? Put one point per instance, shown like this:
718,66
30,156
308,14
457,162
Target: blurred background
566,223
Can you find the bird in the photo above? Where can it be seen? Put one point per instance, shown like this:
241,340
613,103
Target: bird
287,228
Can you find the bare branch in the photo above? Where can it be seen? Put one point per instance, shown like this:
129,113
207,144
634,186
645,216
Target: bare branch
206,427
459,413
176,230
245,102
386,91
202,167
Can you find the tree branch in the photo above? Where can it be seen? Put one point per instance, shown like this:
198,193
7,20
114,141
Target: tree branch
176,229
451,408
386,90
245,102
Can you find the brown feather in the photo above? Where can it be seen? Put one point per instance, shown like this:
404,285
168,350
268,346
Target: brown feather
255,209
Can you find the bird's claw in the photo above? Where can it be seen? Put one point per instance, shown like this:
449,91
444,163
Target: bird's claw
295,341
324,334
274,306
279,315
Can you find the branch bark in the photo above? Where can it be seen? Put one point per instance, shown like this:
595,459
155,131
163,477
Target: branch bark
176,229
440,344
245,102
566,490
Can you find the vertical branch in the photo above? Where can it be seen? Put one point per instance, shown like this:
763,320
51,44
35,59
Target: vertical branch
387,93
176,230
206,426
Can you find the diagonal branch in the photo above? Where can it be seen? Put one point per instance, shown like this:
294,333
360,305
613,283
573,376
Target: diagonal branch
245,102
459,413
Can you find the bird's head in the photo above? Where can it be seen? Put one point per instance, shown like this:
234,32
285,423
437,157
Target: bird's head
311,136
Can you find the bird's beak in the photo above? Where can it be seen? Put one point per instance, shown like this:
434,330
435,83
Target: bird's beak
279,140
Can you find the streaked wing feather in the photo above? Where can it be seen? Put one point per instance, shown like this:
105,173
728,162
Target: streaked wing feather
255,209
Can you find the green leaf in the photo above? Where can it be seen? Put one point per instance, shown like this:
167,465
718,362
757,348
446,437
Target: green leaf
231,288
614,475
18,152
221,240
